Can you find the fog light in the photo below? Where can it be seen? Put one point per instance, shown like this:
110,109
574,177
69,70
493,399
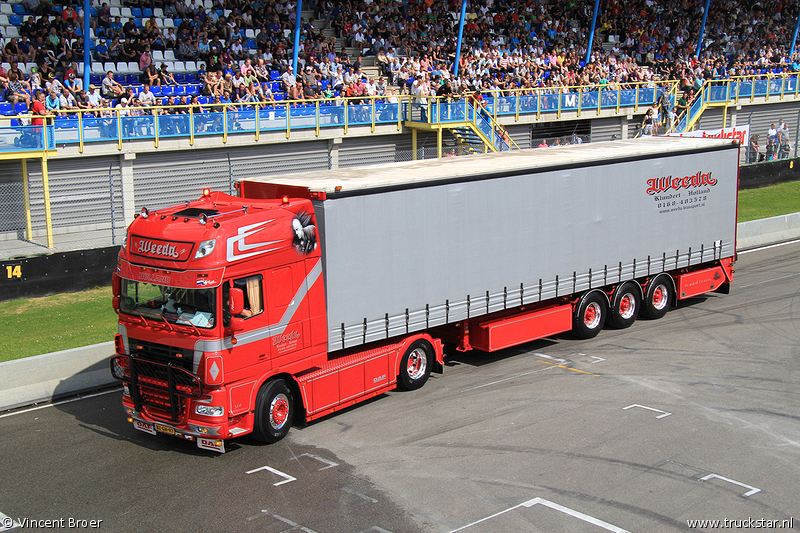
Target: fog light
207,410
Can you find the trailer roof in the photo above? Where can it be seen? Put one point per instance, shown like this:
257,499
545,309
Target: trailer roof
360,180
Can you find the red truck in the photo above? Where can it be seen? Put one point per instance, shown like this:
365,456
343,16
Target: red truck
312,292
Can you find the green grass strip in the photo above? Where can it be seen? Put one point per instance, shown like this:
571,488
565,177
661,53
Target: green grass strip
33,326
773,200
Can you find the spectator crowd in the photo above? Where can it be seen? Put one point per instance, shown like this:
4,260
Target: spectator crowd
507,44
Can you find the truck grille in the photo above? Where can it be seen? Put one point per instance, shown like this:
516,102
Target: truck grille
161,388
152,351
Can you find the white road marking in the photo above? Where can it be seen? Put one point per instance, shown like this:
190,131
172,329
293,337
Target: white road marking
649,409
362,496
62,402
330,464
562,361
768,247
750,492
769,280
376,529
294,525
566,510
288,478
515,376
597,359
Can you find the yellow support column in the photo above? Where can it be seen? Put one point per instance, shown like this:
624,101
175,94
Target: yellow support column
414,144
47,214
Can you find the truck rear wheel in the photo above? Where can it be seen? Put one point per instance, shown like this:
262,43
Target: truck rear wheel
274,411
625,304
415,367
590,315
657,297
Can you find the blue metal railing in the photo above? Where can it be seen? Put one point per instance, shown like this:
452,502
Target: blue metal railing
288,116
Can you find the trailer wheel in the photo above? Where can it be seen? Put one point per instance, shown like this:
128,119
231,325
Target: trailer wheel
274,411
657,297
590,315
415,366
625,304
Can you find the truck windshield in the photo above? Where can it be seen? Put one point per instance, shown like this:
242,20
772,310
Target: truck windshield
187,307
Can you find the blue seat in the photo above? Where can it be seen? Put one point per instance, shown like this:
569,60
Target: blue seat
278,97
156,90
131,79
138,23
202,99
6,109
166,90
147,12
190,77
180,77
16,20
96,79
180,90
19,9
136,12
276,86
20,107
274,75
251,43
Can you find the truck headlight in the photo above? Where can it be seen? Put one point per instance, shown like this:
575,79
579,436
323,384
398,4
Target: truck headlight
205,248
207,410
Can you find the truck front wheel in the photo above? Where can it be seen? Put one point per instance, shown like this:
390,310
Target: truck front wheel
657,297
415,367
274,411
590,315
625,303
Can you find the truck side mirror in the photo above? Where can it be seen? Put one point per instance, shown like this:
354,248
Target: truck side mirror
237,323
116,284
236,301
116,289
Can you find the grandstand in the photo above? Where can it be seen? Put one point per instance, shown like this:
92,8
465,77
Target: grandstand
522,79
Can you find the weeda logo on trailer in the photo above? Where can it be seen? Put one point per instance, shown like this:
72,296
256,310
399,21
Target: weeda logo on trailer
665,183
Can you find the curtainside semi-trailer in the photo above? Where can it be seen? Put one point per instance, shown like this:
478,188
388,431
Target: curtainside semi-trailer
311,292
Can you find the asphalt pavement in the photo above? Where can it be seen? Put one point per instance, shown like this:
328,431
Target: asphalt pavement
690,417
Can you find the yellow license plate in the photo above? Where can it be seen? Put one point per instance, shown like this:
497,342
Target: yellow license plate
164,429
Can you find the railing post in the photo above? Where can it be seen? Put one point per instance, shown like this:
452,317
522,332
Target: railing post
191,127
119,129
80,131
288,120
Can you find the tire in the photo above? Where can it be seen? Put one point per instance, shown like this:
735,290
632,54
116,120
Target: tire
625,305
658,297
590,315
274,411
415,366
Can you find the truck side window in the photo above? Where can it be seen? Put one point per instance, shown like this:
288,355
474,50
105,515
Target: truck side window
253,299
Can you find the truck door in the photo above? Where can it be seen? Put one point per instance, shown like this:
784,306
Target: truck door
256,321
287,307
